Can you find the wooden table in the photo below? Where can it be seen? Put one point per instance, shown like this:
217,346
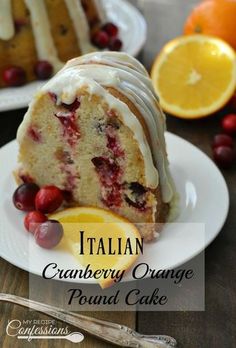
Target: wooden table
214,328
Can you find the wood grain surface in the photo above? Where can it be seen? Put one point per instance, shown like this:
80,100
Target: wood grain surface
15,281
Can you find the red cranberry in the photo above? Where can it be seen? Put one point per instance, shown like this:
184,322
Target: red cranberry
114,146
100,39
222,140
109,173
224,156
111,29
25,178
70,126
34,134
112,196
48,199
229,123
53,97
33,219
19,23
24,196
113,142
14,76
115,44
108,170
43,70
49,234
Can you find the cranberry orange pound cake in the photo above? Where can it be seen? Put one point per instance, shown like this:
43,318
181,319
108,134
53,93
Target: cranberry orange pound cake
38,36
96,131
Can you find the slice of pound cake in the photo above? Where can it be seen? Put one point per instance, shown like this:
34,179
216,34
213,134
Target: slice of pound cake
96,131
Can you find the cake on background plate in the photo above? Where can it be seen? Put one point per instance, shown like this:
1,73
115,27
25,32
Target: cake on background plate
38,37
96,131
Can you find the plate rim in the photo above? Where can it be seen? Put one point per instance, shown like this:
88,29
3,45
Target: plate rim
190,257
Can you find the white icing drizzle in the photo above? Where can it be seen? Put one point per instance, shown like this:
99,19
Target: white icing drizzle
108,58
45,46
7,29
126,74
80,22
130,78
66,84
43,38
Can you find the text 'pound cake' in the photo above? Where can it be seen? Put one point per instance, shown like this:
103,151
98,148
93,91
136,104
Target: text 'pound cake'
96,131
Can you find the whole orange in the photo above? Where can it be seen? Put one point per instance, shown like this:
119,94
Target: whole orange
214,17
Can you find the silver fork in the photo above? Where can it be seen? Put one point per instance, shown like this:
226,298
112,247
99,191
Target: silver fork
119,335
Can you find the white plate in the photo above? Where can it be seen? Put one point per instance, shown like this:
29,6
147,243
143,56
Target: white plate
203,199
133,31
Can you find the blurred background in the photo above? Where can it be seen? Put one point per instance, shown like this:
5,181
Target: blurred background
165,21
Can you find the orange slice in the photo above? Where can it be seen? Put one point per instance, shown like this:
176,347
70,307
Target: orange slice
112,234
194,76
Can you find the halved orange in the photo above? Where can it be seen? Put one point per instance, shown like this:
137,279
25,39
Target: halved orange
194,76
111,233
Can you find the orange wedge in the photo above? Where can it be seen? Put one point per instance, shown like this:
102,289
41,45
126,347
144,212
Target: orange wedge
111,234
194,76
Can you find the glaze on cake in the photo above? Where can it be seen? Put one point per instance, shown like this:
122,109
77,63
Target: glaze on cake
96,131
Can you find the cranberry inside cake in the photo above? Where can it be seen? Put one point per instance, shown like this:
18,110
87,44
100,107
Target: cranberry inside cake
91,132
